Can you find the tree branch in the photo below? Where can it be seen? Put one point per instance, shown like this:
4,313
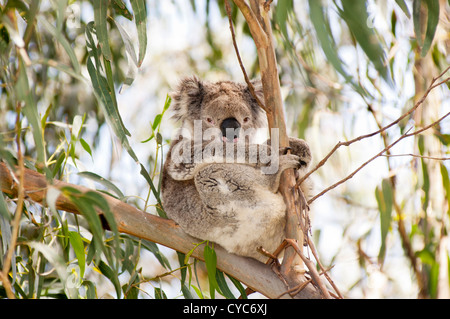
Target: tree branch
432,86
133,221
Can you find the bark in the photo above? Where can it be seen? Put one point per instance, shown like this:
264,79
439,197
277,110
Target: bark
257,16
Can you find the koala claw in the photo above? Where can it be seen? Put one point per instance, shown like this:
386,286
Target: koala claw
284,150
290,161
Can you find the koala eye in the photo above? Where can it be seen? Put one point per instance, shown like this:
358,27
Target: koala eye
209,120
246,119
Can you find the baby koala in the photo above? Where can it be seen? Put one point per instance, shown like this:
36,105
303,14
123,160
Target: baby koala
218,184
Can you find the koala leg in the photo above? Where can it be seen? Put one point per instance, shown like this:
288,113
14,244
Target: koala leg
218,184
247,214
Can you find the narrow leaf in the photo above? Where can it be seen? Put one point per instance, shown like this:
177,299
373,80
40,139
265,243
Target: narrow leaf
355,15
385,199
281,15
56,33
432,22
25,94
111,275
140,18
78,247
101,180
211,264
100,13
223,286
327,43
417,17
402,5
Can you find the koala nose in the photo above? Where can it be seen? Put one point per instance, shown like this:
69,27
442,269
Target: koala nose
232,126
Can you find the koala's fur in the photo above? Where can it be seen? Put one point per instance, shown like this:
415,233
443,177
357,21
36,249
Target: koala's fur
232,204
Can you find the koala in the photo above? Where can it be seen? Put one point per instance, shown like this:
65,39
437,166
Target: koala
218,184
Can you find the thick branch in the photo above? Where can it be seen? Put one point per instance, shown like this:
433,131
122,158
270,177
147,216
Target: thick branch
130,220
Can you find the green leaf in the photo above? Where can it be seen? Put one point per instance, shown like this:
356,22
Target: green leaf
131,57
59,37
211,263
355,15
131,289
417,17
111,275
101,25
160,294
86,207
104,92
327,43
101,180
121,9
281,15
153,248
97,200
385,199
91,291
147,177
222,284
167,103
402,5
239,286
78,247
4,212
432,22
30,110
446,184
86,146
140,18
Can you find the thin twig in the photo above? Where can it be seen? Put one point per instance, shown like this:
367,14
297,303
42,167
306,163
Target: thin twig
257,31
295,290
404,237
419,156
247,80
359,138
17,214
376,156
312,268
324,271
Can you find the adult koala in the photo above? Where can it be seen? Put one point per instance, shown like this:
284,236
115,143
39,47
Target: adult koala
219,185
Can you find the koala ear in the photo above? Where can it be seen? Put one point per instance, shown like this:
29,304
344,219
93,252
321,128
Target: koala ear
187,99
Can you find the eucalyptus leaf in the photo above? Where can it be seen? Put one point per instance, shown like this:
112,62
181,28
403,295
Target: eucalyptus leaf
211,263
385,199
355,15
322,28
78,247
140,18
101,180
432,22
403,6
101,26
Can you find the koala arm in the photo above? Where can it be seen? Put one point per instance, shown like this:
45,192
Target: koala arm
186,158
300,148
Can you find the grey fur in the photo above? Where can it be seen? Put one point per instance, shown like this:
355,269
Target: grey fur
232,204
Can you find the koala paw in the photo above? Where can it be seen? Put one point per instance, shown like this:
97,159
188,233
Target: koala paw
300,148
290,161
